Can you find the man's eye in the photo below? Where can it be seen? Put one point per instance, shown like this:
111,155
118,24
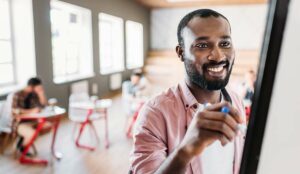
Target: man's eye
225,44
201,45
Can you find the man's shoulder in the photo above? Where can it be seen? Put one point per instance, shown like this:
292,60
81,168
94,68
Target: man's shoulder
18,93
170,95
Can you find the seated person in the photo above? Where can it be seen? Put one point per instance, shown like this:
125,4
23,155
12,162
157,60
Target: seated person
134,90
250,78
31,99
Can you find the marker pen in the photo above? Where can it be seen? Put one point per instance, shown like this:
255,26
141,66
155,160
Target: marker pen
240,127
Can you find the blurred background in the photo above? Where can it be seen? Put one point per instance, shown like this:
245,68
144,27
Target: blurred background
93,47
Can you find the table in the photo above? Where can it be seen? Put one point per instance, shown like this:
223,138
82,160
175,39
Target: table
52,114
99,106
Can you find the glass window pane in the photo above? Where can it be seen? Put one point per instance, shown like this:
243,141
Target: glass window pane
5,52
4,20
111,48
134,45
6,73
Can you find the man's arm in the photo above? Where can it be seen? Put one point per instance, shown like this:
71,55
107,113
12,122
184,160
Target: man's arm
42,96
17,110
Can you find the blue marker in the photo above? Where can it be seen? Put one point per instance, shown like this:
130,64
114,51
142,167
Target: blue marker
240,127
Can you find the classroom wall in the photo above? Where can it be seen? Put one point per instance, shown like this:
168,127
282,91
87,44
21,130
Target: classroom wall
126,9
247,24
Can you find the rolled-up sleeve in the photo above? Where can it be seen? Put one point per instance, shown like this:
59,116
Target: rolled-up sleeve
150,149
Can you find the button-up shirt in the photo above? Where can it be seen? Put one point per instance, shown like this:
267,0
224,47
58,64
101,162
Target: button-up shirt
161,126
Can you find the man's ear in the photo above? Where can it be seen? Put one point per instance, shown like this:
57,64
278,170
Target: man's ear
179,52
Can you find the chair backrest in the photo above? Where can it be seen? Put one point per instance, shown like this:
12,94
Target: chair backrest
74,113
6,118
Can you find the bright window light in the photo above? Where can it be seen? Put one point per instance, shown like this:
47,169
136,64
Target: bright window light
71,42
134,45
111,47
7,69
17,50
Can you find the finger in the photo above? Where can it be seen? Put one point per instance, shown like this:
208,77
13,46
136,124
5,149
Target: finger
218,126
223,140
232,111
223,117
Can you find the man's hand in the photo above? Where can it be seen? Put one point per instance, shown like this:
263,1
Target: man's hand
39,90
211,125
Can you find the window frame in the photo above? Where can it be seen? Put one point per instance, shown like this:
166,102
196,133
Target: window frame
12,62
82,71
128,39
118,22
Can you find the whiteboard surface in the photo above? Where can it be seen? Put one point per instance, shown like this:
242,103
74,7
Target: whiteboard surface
281,144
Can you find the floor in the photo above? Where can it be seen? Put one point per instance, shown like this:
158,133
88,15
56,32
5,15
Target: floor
114,160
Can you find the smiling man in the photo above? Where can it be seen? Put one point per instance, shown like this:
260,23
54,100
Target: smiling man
178,131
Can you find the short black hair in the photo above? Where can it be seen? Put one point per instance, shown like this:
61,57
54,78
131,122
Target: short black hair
203,13
139,74
35,81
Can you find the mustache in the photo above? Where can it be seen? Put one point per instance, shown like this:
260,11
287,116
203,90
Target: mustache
215,63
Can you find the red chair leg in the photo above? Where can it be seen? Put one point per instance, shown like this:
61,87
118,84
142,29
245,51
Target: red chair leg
106,129
23,159
82,126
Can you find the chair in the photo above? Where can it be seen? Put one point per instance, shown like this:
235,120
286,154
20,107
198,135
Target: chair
6,121
85,116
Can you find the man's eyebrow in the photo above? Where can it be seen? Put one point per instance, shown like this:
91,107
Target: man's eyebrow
202,38
226,37
207,38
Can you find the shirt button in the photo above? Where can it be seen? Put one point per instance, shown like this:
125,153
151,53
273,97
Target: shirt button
187,105
195,106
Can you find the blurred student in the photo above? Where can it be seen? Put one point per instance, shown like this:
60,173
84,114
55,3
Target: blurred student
250,78
134,93
31,99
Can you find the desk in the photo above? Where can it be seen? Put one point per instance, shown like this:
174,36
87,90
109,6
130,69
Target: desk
52,114
100,107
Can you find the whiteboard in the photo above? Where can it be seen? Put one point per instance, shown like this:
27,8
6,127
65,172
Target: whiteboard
273,138
281,144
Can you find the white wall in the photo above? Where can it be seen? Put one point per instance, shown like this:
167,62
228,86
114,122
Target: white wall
281,144
247,23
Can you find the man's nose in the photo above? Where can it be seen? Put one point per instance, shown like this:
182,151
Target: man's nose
216,54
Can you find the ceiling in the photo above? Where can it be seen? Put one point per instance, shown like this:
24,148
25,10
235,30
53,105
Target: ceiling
195,3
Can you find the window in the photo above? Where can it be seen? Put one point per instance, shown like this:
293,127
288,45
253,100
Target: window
17,50
134,45
111,47
7,68
71,42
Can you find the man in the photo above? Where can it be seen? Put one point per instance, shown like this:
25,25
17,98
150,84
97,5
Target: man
29,100
176,132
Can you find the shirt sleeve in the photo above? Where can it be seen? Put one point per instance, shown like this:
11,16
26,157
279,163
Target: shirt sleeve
150,149
15,104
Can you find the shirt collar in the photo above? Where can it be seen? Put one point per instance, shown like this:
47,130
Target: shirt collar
187,96
189,99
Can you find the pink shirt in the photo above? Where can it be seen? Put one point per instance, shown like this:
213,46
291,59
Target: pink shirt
161,126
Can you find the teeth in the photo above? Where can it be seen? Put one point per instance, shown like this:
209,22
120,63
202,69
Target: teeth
216,69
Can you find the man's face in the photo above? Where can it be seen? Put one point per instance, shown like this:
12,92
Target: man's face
135,79
208,52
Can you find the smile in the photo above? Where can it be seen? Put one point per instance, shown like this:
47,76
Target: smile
217,71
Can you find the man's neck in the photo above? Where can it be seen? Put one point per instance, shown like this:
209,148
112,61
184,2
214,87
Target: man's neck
204,95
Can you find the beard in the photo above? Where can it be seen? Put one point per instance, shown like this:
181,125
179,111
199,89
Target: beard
200,79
